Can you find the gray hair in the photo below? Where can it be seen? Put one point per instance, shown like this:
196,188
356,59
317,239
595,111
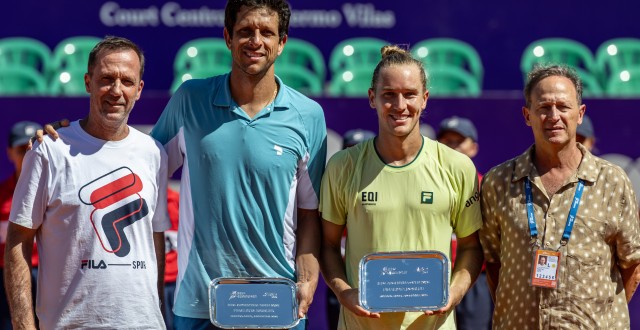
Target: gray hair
540,72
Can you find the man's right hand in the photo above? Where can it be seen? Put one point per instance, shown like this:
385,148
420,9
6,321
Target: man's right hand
49,129
349,299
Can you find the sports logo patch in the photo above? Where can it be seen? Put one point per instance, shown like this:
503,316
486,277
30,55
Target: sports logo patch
426,197
117,204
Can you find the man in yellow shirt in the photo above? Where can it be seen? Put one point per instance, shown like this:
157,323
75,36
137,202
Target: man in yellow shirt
398,192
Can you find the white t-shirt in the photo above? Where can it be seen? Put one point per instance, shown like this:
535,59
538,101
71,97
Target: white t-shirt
96,205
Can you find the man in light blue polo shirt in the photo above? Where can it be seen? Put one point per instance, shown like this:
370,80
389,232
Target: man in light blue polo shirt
252,152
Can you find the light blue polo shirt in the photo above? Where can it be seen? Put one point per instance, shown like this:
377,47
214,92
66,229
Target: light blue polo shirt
242,182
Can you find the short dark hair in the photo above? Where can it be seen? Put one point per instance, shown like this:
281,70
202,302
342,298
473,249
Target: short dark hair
281,7
542,71
394,55
114,43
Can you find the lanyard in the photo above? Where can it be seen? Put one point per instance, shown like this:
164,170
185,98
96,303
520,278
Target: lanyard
533,229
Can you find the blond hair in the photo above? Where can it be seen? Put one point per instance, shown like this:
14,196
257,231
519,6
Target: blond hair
396,55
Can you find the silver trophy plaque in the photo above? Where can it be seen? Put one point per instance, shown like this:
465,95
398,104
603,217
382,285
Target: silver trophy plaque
404,281
254,303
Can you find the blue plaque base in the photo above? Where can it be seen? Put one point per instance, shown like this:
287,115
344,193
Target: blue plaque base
404,281
255,303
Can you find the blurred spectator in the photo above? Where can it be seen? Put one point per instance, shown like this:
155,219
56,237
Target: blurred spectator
428,131
350,138
459,134
356,136
476,308
19,137
585,134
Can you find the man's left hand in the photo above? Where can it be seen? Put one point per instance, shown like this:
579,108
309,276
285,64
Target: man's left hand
305,294
454,300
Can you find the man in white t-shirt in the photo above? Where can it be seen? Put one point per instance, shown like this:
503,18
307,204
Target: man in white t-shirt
96,202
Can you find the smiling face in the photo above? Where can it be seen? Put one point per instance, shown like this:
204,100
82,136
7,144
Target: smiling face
255,43
399,100
554,112
114,86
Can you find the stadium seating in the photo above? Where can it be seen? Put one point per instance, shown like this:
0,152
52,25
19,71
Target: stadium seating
454,68
69,64
201,58
563,51
356,52
21,80
24,64
616,55
300,79
350,60
25,52
68,82
354,82
73,52
449,53
450,81
301,66
591,86
625,84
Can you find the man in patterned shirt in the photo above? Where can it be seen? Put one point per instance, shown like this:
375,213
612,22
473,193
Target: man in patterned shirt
560,201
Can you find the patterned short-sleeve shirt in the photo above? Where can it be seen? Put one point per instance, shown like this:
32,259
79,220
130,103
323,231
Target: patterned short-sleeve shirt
605,238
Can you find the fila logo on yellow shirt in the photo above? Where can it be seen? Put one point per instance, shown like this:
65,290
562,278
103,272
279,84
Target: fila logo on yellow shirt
426,197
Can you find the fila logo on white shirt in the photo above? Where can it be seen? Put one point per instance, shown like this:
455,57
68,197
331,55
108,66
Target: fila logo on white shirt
117,204
278,149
